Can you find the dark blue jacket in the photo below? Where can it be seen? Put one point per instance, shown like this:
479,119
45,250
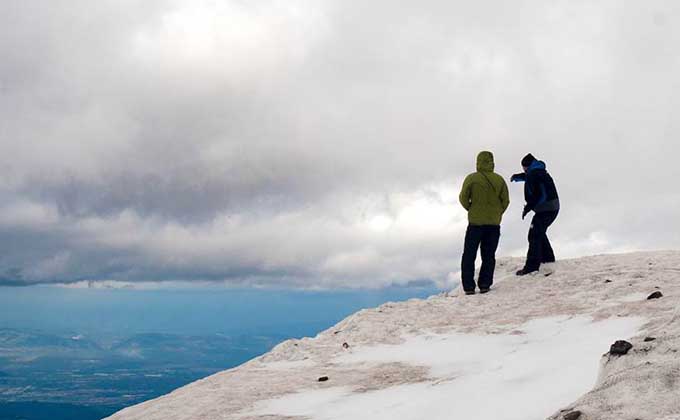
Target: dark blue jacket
540,192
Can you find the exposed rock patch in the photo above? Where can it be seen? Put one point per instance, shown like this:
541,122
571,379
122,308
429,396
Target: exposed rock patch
620,348
655,295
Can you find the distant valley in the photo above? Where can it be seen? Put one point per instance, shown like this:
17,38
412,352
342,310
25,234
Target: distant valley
72,373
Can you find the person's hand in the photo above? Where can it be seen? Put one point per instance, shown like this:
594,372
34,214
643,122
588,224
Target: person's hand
525,212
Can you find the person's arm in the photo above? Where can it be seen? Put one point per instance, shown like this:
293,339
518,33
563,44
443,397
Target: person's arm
504,196
521,177
465,195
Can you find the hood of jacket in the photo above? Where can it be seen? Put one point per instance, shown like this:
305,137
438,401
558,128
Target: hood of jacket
537,164
485,162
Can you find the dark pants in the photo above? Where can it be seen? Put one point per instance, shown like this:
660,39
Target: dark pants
487,237
540,250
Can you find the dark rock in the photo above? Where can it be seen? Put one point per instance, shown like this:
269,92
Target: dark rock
323,379
607,281
655,295
345,345
574,415
648,339
620,348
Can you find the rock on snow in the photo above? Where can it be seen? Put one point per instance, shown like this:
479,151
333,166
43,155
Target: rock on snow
536,347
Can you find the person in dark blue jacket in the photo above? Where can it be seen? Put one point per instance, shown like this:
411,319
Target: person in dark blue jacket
541,197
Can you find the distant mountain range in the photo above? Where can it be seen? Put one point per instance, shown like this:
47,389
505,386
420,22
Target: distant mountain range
14,339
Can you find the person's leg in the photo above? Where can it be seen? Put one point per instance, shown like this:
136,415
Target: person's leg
489,245
536,240
548,253
473,236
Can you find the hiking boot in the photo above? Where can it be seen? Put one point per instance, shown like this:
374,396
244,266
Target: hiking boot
484,290
469,292
525,271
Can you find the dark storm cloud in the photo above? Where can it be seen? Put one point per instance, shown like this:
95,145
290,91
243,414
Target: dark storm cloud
320,143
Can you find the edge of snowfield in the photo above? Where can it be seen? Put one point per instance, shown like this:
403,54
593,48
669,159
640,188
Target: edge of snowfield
643,385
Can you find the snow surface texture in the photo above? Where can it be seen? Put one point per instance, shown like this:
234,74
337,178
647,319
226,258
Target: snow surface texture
534,347
485,377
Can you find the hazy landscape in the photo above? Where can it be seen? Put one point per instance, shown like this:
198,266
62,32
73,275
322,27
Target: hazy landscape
64,355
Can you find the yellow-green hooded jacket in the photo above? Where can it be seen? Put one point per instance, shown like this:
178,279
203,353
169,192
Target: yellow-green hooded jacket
485,193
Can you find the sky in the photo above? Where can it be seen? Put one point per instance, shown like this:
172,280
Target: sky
322,143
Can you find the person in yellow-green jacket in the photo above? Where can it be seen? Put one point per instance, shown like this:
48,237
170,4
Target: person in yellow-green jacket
485,197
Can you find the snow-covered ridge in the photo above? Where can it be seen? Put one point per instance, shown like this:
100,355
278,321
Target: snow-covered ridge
535,347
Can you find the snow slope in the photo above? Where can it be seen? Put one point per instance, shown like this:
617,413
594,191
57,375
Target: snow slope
533,348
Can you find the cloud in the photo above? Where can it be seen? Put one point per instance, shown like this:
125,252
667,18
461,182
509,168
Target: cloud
321,143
